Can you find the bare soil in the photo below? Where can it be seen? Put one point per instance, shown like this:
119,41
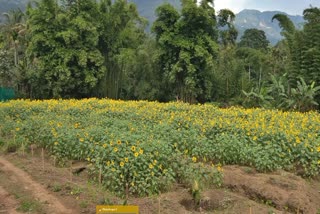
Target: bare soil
7,202
53,204
281,190
58,190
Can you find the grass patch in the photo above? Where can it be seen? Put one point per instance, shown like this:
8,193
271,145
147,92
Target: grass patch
84,204
30,205
56,188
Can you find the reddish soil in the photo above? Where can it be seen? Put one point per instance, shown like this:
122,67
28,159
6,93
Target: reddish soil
22,178
7,202
244,191
282,190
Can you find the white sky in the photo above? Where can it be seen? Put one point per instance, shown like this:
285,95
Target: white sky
293,7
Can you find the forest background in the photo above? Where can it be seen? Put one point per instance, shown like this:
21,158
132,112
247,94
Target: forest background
190,52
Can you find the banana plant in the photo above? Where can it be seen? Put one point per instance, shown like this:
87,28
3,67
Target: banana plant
302,98
258,97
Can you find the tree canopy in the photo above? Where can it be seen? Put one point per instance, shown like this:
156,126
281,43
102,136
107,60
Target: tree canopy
91,48
187,43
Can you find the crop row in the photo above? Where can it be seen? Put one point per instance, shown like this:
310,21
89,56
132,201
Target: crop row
144,147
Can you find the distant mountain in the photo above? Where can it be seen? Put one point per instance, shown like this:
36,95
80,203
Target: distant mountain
263,21
6,5
147,8
244,20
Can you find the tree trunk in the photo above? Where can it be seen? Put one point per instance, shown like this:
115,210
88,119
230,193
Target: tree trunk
15,54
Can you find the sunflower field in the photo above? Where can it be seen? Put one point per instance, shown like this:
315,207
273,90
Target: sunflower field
145,147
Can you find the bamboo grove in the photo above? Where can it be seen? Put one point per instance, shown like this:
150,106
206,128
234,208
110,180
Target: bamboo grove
89,48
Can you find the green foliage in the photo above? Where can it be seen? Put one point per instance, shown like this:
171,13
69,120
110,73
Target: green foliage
12,50
142,79
142,148
78,48
310,68
285,23
187,43
30,205
65,60
226,18
279,91
6,68
257,66
303,97
303,48
229,76
121,34
196,193
258,97
129,158
254,38
278,94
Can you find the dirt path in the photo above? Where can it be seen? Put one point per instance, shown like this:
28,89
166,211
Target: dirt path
22,178
7,203
244,191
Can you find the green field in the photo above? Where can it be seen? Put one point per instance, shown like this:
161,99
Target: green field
144,147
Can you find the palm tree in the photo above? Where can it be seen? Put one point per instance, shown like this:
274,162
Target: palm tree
14,29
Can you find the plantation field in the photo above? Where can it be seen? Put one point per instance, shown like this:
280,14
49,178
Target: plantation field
143,148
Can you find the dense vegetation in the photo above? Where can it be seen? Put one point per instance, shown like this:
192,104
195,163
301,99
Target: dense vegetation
88,48
142,148
80,49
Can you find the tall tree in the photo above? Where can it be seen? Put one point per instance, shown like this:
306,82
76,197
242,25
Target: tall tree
7,71
254,38
228,32
121,31
285,23
14,29
311,60
65,61
293,42
142,80
303,46
229,77
188,46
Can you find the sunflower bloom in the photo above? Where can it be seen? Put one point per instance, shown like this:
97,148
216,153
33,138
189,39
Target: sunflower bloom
194,159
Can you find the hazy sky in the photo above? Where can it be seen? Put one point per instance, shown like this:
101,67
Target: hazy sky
292,7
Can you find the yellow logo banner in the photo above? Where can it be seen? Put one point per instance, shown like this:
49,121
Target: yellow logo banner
104,209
